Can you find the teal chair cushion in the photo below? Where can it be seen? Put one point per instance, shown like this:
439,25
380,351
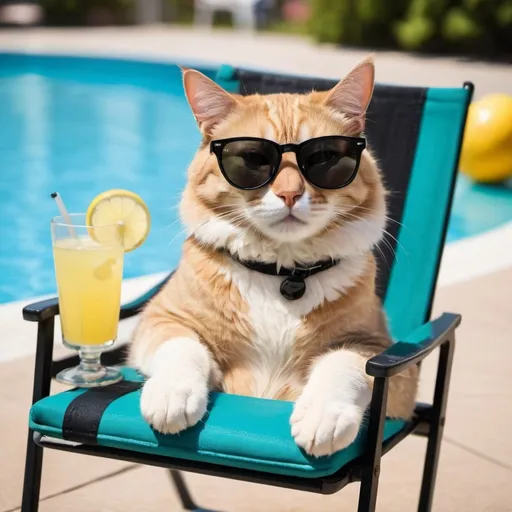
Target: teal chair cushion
238,431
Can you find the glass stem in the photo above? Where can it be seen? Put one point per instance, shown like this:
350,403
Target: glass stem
90,360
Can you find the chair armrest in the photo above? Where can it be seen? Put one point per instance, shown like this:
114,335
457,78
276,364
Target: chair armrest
416,347
39,311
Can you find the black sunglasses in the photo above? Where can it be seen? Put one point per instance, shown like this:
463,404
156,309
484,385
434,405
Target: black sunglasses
249,163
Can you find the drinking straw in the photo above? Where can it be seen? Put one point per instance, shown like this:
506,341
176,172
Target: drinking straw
64,213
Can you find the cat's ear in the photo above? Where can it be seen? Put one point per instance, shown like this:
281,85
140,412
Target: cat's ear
209,102
352,95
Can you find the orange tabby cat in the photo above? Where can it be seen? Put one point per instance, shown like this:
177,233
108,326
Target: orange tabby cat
220,325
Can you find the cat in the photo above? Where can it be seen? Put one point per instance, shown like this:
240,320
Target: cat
218,325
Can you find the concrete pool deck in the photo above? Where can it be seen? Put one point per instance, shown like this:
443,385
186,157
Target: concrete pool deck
475,280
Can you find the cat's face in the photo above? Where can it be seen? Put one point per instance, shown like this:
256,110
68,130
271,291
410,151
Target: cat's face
289,209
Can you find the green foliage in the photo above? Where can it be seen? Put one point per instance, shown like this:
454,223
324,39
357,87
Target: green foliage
504,14
328,20
356,22
459,26
413,33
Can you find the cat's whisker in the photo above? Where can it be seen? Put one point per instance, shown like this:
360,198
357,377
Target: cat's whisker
202,224
383,240
212,208
335,224
229,205
400,245
377,247
178,234
390,248
235,217
371,210
172,223
387,217
175,200
382,254
235,222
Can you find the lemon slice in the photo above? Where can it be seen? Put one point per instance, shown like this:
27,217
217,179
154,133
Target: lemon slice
119,207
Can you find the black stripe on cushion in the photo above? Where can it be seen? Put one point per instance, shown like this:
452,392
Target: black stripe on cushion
392,128
83,415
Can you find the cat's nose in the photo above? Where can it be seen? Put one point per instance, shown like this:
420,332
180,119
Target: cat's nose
289,184
289,197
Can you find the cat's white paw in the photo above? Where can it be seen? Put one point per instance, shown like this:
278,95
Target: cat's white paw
172,406
324,425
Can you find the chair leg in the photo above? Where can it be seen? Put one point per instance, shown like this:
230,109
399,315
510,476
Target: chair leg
42,381
32,479
184,494
371,463
436,425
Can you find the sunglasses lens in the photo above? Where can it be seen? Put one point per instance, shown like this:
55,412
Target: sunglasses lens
249,164
330,163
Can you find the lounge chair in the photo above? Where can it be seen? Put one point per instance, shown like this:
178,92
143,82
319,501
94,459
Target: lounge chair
416,134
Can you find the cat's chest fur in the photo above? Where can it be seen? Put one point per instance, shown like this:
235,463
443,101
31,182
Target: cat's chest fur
276,320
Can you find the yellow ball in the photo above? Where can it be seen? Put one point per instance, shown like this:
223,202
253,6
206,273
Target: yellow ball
486,154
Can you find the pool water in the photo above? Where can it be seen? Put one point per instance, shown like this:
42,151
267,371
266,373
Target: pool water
478,208
82,126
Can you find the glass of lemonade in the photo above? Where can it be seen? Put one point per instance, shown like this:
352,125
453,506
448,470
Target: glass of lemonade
89,269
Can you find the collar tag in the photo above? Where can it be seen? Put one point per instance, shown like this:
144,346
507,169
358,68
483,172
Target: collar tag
293,287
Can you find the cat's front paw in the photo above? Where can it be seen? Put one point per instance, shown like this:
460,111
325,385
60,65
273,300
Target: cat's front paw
170,407
324,425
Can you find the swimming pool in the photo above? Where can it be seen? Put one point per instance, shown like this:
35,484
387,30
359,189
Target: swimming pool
84,125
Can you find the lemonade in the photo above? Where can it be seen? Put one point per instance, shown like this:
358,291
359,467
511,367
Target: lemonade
88,251
89,278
